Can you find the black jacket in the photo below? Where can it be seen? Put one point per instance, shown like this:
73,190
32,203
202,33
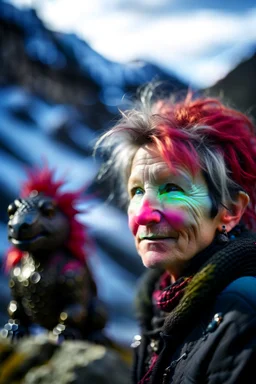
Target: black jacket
210,337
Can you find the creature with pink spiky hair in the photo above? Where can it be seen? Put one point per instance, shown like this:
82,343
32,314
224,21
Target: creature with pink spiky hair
50,281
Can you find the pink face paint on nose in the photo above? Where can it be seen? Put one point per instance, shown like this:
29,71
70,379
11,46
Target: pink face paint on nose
146,216
176,218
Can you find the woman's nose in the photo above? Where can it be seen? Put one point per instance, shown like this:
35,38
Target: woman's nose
148,215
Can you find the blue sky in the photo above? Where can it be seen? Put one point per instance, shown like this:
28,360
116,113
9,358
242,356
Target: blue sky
201,41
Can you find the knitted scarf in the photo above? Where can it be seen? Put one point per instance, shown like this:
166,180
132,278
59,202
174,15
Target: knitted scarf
167,297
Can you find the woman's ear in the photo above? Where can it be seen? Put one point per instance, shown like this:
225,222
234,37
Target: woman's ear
231,217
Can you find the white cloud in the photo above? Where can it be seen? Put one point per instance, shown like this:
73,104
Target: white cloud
190,43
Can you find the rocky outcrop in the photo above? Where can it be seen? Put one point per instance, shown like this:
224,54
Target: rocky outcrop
40,361
238,87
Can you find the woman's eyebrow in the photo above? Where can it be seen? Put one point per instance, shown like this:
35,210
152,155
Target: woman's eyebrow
183,178
133,180
161,175
170,177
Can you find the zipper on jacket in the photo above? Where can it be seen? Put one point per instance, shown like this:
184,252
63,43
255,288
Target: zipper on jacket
167,371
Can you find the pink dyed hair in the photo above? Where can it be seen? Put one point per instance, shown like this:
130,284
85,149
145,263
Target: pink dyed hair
196,133
42,181
232,135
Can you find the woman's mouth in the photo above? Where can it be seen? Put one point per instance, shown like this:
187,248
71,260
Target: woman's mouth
157,238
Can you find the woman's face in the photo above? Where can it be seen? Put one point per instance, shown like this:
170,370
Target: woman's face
169,212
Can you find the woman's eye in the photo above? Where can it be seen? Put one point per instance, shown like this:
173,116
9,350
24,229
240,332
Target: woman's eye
170,188
137,191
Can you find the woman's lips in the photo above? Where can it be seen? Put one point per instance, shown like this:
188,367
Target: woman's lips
157,238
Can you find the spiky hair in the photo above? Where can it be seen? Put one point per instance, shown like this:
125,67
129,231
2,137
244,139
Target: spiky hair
197,133
42,181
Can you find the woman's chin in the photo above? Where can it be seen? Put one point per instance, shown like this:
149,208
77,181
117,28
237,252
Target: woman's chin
153,259
155,254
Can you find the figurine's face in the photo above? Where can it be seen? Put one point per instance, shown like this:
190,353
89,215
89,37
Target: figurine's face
169,212
36,224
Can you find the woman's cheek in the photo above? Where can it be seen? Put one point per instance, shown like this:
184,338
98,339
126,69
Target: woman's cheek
179,212
132,222
133,225
176,217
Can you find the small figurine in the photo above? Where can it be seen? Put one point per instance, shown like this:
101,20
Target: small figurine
50,281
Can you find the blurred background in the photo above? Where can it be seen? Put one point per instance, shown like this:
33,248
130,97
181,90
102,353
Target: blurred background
66,67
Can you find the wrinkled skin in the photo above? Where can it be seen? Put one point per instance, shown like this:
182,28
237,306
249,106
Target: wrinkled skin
50,287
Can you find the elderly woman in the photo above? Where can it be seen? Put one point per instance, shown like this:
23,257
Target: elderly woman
187,170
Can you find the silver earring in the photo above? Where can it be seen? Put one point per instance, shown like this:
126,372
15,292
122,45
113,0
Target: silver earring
222,237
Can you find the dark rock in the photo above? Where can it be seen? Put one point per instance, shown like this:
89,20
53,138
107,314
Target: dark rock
40,361
238,87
